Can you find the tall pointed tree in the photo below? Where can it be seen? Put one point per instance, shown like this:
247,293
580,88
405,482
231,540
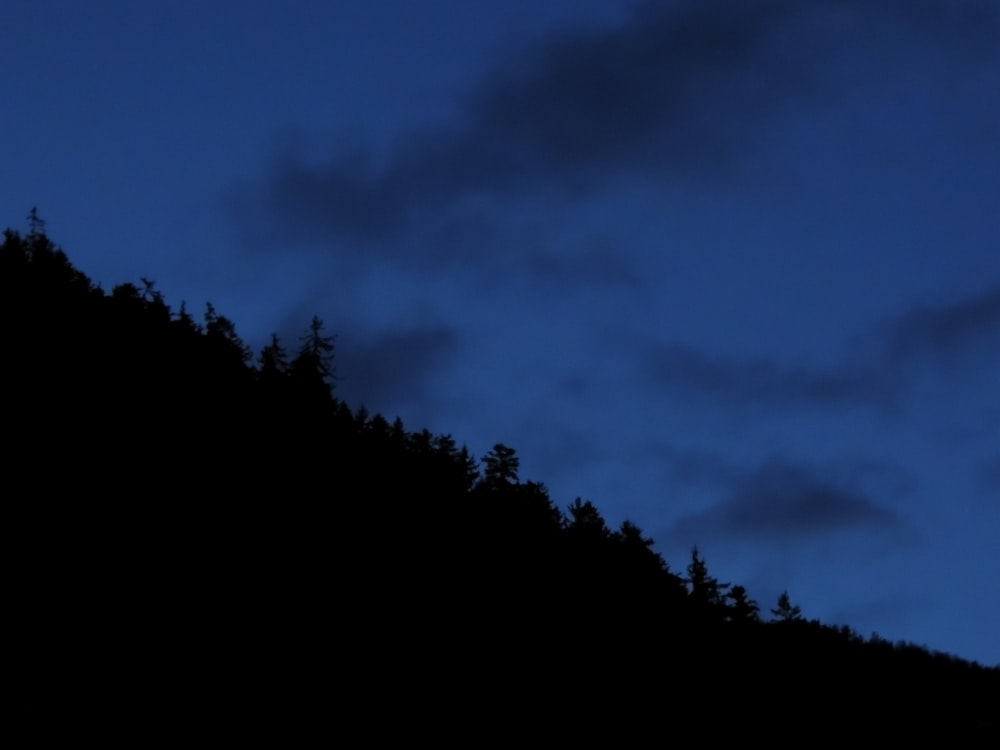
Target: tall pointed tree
314,359
500,466
786,611
704,590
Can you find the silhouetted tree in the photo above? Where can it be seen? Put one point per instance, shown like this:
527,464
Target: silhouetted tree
706,593
314,359
585,520
741,607
220,329
273,359
186,321
461,466
786,611
36,224
501,465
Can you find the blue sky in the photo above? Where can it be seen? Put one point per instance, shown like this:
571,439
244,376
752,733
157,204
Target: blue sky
728,269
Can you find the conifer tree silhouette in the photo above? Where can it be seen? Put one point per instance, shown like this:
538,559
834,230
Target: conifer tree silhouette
786,611
501,466
314,360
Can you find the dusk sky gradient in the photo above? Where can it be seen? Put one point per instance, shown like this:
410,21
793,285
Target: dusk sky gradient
730,269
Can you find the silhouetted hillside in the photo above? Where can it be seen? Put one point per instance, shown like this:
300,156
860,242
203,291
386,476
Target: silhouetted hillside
197,525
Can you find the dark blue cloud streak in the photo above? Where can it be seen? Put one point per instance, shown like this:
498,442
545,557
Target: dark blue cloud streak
943,334
678,92
781,500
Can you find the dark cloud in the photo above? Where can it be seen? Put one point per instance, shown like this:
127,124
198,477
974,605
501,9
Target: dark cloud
947,334
386,369
596,263
785,501
762,380
677,91
344,199
691,466
989,475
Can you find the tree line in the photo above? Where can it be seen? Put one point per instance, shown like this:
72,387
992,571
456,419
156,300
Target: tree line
240,515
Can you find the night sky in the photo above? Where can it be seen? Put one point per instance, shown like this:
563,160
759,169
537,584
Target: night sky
728,268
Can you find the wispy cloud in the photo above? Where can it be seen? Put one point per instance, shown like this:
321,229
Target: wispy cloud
381,369
989,475
762,380
965,329
781,500
678,91
946,333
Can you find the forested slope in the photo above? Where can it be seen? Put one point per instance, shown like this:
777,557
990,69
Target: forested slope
188,518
